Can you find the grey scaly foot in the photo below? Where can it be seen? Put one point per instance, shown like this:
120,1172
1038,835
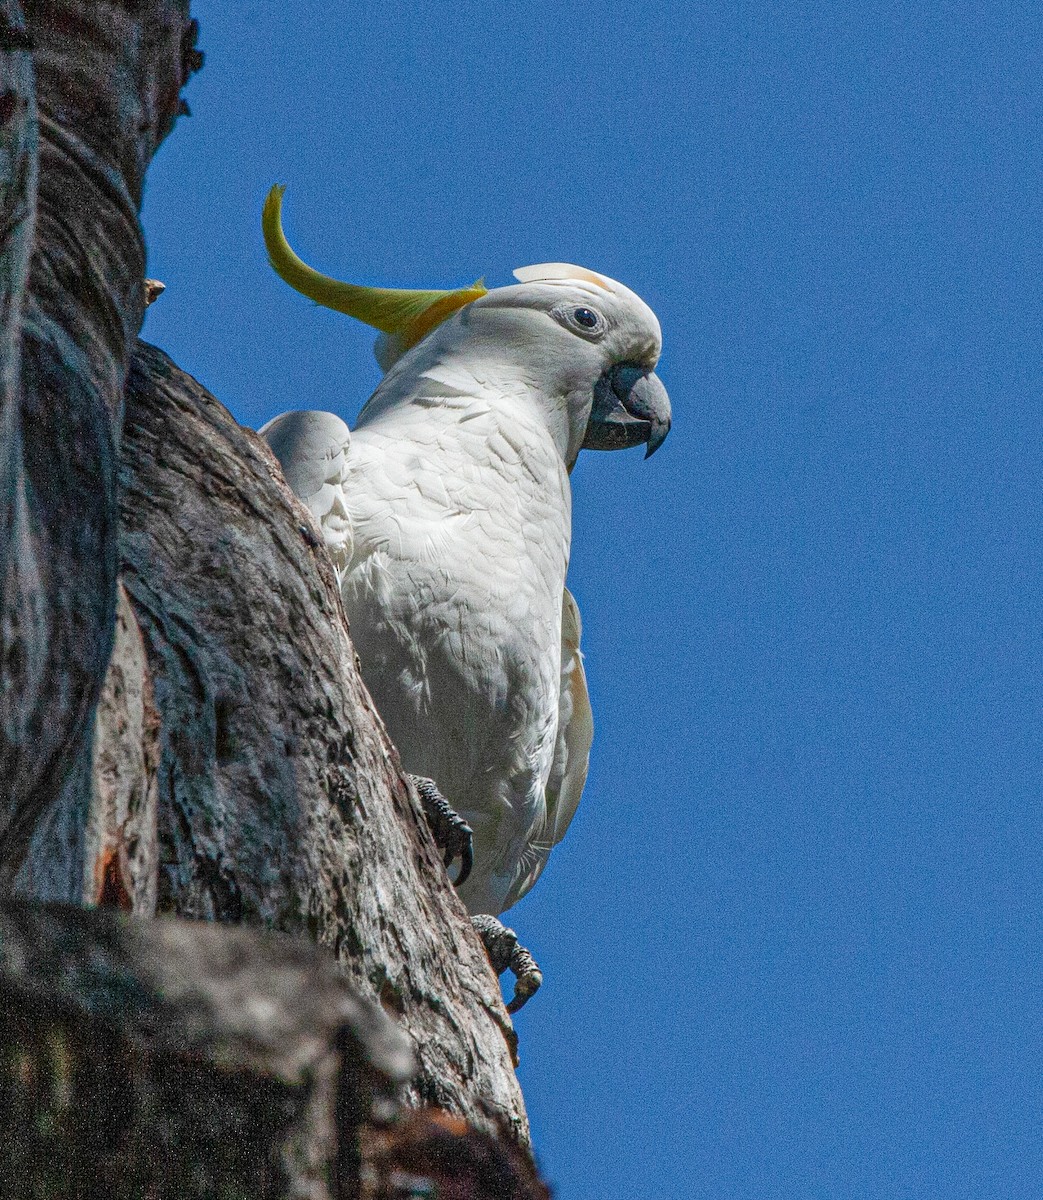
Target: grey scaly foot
506,953
452,834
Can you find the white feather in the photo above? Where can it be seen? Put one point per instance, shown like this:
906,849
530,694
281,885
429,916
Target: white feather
546,271
448,513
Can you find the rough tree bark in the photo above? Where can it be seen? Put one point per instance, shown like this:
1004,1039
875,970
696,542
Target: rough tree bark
180,1059
93,90
183,728
281,800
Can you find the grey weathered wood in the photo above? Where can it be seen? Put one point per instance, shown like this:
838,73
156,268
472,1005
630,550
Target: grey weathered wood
178,1059
23,622
98,843
202,745
83,113
281,800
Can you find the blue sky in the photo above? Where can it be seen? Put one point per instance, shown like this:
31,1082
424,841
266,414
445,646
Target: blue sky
792,941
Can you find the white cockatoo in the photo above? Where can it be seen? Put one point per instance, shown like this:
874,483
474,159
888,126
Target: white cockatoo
447,515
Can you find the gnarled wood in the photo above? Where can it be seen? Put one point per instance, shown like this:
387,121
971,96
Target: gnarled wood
74,144
174,1059
202,744
281,800
98,844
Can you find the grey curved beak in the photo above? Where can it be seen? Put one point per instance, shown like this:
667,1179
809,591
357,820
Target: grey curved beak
631,408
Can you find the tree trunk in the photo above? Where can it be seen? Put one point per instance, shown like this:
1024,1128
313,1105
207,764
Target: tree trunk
178,1059
183,728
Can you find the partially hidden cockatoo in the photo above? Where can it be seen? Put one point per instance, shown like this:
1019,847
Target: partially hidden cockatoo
447,515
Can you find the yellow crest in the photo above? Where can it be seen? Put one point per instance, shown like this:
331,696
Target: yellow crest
403,315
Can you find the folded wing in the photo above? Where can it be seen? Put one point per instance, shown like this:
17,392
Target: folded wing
313,449
575,735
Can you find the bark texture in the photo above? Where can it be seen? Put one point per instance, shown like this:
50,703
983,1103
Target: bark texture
98,844
183,727
281,801
93,90
178,1059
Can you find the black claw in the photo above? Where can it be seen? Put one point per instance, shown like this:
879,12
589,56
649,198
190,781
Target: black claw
453,836
526,987
506,953
528,978
466,862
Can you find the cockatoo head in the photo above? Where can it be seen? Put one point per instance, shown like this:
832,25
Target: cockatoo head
585,345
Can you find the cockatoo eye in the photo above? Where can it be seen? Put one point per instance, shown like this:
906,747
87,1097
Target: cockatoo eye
587,322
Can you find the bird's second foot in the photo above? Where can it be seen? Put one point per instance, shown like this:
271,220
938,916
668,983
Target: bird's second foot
506,953
452,834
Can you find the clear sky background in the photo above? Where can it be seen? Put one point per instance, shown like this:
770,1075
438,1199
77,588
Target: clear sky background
792,941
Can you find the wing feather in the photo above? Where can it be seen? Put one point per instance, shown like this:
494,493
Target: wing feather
575,727
313,449
574,738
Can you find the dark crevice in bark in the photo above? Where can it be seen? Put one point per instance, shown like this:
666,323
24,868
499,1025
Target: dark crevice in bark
183,728
91,103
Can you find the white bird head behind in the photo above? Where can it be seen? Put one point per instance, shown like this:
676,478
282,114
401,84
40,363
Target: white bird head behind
584,345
